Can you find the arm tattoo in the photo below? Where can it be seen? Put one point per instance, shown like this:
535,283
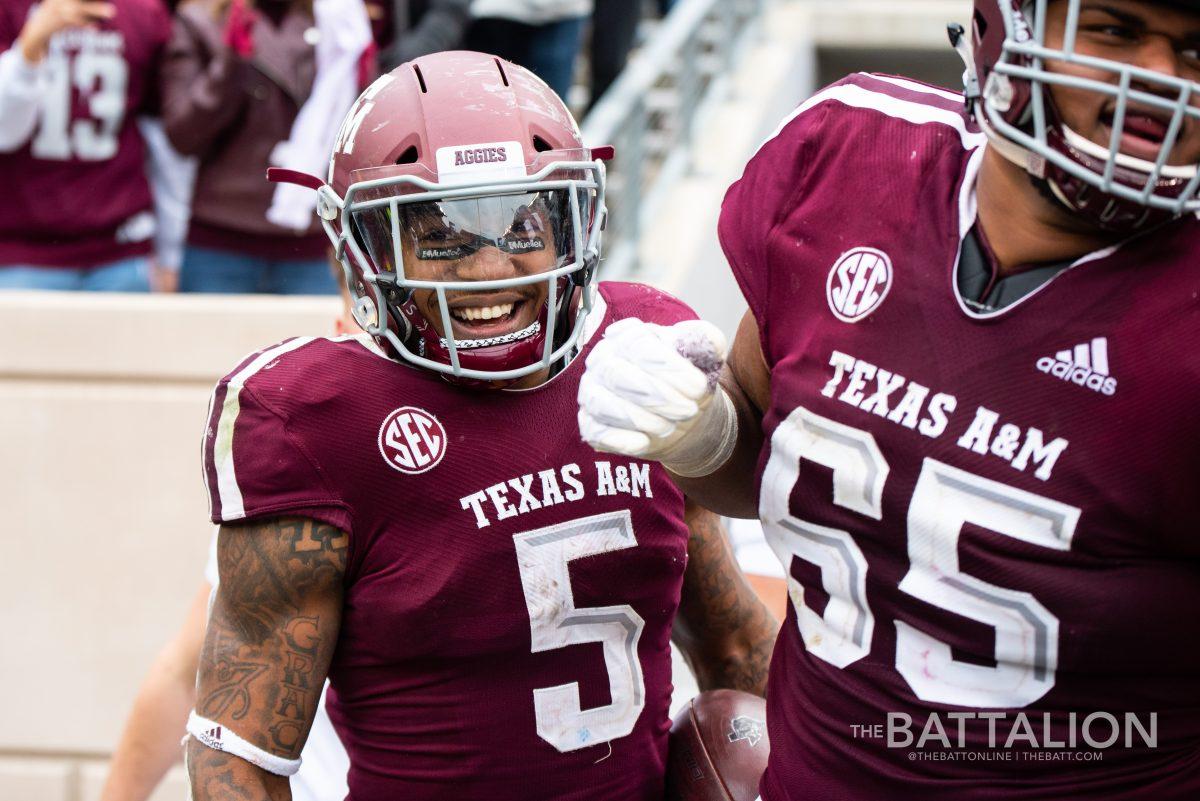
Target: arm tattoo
269,643
217,775
724,630
231,694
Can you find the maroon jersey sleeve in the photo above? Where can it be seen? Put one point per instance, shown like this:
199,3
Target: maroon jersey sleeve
643,302
757,202
255,466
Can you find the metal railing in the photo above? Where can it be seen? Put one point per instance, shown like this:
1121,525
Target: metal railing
650,111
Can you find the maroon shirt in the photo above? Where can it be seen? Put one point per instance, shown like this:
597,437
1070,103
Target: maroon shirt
76,194
979,514
509,591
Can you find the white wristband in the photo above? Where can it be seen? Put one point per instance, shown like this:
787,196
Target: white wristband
709,443
221,738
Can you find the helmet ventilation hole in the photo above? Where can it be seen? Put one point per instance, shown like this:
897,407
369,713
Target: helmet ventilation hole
409,156
500,66
540,145
420,78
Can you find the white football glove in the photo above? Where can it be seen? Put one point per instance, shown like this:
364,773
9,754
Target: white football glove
651,391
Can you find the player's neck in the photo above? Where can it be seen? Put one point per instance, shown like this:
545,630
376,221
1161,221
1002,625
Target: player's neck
1022,225
532,380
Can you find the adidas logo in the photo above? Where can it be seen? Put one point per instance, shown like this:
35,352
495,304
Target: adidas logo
1085,365
211,738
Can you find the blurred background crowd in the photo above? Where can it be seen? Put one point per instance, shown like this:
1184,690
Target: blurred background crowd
135,134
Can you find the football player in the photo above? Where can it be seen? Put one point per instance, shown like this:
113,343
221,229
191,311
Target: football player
413,513
964,405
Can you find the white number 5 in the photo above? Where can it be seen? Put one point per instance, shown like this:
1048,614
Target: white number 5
543,556
1026,649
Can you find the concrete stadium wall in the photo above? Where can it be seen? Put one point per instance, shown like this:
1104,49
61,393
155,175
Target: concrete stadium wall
102,405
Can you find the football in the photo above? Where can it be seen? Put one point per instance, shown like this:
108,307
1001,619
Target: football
718,748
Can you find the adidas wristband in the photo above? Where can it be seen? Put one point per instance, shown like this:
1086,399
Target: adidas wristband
219,737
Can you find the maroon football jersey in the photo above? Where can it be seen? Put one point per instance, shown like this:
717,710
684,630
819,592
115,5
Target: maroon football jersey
509,591
76,193
989,521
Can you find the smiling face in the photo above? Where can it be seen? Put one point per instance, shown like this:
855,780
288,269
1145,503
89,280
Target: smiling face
1154,36
486,239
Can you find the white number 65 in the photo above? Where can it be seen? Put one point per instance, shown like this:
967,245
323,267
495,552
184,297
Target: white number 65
945,498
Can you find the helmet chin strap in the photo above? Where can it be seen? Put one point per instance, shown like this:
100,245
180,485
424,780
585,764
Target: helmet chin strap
567,305
1099,152
1033,164
962,46
1024,158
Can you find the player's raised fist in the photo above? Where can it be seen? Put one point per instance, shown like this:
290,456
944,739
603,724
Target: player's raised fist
651,391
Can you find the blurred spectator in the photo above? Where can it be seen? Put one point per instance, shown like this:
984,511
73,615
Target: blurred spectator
407,29
77,211
246,87
541,35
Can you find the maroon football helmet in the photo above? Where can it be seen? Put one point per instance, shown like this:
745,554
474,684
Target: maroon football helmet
1007,80
452,165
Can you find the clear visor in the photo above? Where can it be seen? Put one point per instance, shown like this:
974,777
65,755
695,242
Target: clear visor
474,239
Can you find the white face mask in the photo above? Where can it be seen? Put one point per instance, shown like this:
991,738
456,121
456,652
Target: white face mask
404,234
1141,100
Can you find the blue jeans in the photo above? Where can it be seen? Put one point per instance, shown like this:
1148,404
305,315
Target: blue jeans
552,53
224,272
125,275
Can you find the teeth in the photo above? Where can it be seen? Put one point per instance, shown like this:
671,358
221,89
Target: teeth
483,312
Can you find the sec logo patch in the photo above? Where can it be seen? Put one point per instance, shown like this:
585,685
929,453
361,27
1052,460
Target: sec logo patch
412,440
858,283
